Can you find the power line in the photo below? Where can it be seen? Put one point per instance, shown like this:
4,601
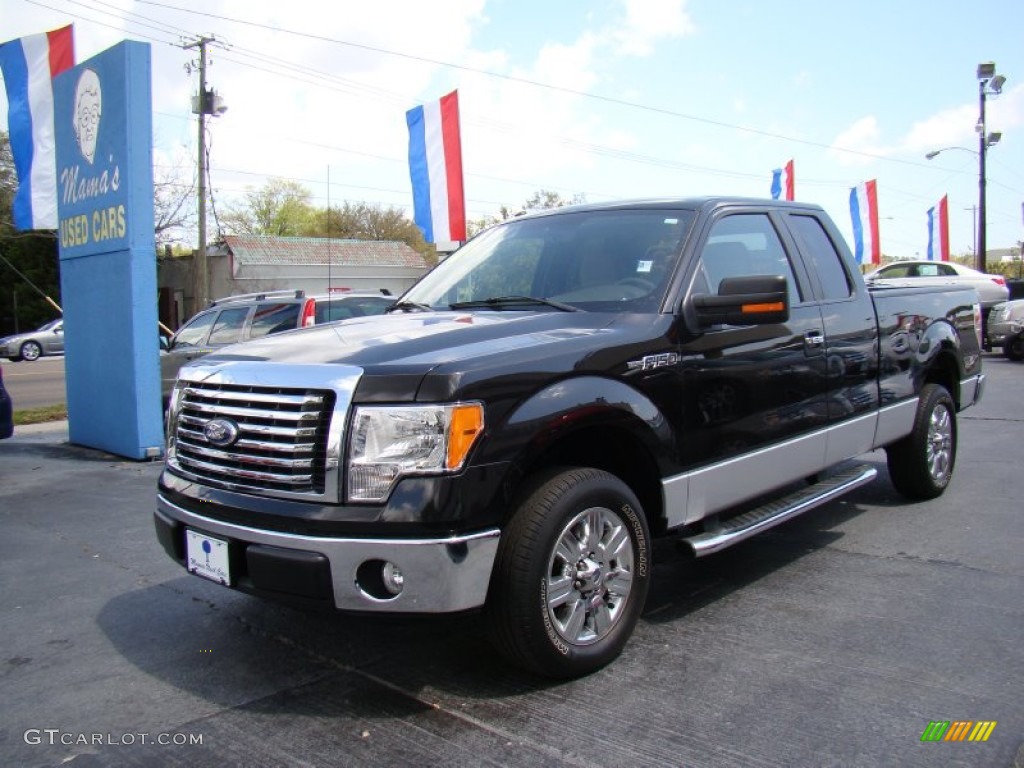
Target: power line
537,84
330,81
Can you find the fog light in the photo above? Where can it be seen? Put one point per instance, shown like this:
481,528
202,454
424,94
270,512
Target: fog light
392,577
380,579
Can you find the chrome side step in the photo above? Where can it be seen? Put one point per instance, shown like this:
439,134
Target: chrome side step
762,518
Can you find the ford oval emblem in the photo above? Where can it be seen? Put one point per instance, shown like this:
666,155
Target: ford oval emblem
221,432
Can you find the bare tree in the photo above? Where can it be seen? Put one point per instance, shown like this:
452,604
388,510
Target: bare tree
173,204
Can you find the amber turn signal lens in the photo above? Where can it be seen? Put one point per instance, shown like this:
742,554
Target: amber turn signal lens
467,422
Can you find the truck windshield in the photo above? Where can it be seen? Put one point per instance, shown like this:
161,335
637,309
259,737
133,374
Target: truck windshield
603,261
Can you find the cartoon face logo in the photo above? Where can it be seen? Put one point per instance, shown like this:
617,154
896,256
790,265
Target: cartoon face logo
88,106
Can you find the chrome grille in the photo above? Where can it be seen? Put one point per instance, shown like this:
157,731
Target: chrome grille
281,444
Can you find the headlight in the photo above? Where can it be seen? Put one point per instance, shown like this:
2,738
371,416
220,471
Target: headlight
389,442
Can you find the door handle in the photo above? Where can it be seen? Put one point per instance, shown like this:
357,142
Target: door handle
814,339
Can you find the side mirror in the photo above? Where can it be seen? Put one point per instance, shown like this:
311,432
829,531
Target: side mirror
748,300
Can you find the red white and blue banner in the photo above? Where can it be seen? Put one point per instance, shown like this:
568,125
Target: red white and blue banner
938,231
864,212
435,166
29,65
783,180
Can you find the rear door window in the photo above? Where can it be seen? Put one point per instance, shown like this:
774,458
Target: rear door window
824,258
274,317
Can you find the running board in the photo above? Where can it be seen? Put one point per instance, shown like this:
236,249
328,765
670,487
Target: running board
762,518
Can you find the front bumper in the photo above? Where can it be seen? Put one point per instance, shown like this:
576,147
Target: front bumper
441,575
998,334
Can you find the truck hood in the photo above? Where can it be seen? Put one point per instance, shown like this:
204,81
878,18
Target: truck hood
422,339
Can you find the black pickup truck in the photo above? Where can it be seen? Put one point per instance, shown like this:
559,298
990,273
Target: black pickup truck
563,388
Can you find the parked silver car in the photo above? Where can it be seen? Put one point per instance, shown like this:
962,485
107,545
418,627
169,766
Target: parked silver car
243,318
47,339
1006,328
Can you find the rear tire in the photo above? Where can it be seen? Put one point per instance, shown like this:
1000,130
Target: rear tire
921,464
571,575
1013,348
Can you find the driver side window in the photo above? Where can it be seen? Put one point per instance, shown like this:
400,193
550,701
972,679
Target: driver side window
743,245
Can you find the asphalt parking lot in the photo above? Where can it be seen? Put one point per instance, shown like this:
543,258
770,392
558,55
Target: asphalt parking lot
833,640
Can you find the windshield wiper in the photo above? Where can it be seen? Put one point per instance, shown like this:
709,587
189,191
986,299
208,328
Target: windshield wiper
409,306
499,302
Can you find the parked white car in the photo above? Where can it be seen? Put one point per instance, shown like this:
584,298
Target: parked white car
991,289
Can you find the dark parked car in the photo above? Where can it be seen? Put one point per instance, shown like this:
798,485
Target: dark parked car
6,410
251,316
47,339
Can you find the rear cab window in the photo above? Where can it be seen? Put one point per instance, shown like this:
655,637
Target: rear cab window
825,260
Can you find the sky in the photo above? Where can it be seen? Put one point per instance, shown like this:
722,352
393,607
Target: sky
607,99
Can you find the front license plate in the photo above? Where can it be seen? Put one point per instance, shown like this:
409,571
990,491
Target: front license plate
207,557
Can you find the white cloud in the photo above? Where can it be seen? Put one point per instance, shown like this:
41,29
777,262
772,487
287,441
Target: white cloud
956,126
649,21
943,129
855,145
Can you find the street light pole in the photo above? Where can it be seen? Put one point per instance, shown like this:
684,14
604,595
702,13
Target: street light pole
988,83
979,258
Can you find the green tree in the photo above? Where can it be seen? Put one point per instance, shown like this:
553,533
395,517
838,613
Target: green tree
280,207
361,221
28,261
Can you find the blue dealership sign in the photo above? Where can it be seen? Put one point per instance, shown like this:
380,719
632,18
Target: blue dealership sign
103,130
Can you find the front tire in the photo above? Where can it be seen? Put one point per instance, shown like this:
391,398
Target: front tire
1013,348
31,350
921,464
571,575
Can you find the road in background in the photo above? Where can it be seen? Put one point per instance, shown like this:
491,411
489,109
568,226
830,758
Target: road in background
35,384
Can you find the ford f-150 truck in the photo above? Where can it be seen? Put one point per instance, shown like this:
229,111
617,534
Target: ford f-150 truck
560,390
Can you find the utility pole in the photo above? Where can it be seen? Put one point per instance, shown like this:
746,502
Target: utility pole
200,265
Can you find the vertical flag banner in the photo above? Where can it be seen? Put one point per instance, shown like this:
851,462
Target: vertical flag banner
435,166
29,65
783,180
864,212
938,231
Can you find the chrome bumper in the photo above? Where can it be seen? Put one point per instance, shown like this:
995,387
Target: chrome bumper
441,575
